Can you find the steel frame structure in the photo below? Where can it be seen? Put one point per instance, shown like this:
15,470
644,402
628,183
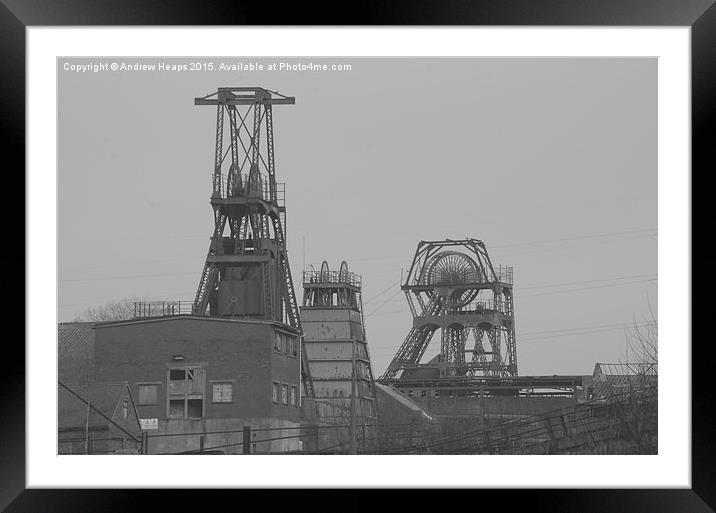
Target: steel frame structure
453,287
248,241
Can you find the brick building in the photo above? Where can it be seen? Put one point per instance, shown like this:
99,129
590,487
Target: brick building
198,380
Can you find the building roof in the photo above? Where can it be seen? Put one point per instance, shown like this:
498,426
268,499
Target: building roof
106,402
625,369
74,338
75,350
402,399
613,378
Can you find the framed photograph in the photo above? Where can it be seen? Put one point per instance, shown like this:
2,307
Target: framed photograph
420,256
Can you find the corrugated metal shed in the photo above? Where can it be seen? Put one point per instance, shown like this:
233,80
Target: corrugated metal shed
612,378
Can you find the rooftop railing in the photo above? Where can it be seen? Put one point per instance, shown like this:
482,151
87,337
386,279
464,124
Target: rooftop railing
336,277
261,190
504,274
162,308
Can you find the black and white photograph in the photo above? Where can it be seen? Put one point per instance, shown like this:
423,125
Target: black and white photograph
357,256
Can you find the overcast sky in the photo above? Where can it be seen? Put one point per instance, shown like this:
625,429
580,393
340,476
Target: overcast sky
551,162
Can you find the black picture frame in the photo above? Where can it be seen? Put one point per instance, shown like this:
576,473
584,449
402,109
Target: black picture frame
16,15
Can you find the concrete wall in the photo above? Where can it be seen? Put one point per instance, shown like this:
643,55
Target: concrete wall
223,435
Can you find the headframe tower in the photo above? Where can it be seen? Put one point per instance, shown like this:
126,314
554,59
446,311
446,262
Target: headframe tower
453,287
247,273
335,340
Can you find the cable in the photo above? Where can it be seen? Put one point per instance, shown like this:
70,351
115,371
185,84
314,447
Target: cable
126,277
357,259
383,303
584,288
95,409
367,301
543,293
548,241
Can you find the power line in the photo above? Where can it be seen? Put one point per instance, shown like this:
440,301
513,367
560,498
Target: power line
570,246
561,330
126,277
95,409
384,303
530,252
558,332
584,288
377,258
545,293
367,301
564,239
589,281
582,332
547,241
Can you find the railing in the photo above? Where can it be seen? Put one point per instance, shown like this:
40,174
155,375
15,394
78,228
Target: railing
331,277
261,190
621,424
503,274
162,308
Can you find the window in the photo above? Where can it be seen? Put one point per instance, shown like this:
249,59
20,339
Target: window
176,408
294,394
277,343
221,392
275,390
194,408
186,393
147,394
284,394
177,374
286,344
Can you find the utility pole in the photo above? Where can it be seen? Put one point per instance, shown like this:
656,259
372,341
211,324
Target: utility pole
87,417
246,443
353,448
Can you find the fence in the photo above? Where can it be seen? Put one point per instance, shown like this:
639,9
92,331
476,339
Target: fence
621,424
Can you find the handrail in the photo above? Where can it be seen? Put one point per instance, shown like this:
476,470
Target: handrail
162,308
336,277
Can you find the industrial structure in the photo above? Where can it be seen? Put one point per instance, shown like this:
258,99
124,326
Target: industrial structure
247,273
203,373
453,287
335,342
244,369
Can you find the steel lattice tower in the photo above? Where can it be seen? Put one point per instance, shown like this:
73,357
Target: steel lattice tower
247,273
453,287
